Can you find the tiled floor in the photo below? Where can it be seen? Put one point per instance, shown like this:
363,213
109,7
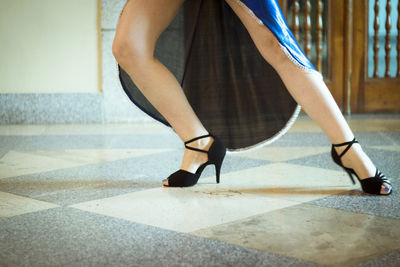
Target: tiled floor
79,195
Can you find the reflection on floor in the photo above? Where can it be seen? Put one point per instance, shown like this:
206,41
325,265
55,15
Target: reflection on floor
91,195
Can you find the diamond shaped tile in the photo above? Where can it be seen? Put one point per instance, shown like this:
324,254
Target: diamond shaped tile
16,163
322,235
12,205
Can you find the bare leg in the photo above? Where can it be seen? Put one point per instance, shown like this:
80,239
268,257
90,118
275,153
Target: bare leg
140,25
310,92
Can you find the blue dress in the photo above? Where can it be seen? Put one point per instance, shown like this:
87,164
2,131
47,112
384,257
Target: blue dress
236,94
269,13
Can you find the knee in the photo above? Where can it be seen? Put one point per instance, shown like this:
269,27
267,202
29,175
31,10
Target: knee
130,52
272,52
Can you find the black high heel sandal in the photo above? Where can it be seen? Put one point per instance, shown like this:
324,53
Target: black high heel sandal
371,185
216,154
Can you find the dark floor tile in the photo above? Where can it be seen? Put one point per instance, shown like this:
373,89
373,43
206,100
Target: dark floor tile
390,260
320,139
74,185
385,160
66,236
38,142
357,201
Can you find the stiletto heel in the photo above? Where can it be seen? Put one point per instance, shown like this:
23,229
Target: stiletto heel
217,171
371,185
216,154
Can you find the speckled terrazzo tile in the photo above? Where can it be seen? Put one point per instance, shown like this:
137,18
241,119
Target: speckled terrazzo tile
302,139
17,163
389,260
279,181
323,235
74,185
378,138
12,205
12,142
228,258
117,105
282,154
320,139
385,160
51,108
3,152
83,183
110,11
365,122
91,141
137,128
357,201
55,189
22,129
322,160
363,116
66,236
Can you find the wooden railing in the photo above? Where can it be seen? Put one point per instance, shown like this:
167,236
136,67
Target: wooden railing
358,55
388,46
307,24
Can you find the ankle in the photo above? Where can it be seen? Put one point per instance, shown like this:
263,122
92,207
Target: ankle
357,159
193,159
354,153
202,143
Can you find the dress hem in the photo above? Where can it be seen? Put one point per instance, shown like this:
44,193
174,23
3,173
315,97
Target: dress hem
272,139
275,136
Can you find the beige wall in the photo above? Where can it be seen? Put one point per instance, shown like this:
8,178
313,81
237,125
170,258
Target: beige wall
49,46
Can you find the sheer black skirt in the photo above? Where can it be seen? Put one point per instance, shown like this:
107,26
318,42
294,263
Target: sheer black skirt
236,94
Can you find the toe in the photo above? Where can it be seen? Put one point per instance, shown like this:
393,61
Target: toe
386,189
165,182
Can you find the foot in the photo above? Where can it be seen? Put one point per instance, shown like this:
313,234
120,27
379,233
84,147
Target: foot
193,159
356,159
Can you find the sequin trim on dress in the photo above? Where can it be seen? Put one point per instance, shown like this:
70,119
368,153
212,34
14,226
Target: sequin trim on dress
285,50
303,68
259,21
272,139
295,114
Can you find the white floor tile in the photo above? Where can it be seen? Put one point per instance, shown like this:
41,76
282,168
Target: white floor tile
277,154
183,210
12,205
16,163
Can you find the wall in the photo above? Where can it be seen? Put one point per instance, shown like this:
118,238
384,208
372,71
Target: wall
49,54
117,106
381,37
57,64
48,46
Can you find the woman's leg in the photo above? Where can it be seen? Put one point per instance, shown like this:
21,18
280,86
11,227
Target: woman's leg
139,26
310,92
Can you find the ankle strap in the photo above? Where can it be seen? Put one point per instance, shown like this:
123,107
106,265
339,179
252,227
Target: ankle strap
349,144
198,137
194,139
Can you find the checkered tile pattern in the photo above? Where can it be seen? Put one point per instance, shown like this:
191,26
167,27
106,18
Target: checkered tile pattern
92,195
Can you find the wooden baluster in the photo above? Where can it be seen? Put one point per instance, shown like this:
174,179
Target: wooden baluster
376,45
320,7
296,23
307,45
398,40
388,46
